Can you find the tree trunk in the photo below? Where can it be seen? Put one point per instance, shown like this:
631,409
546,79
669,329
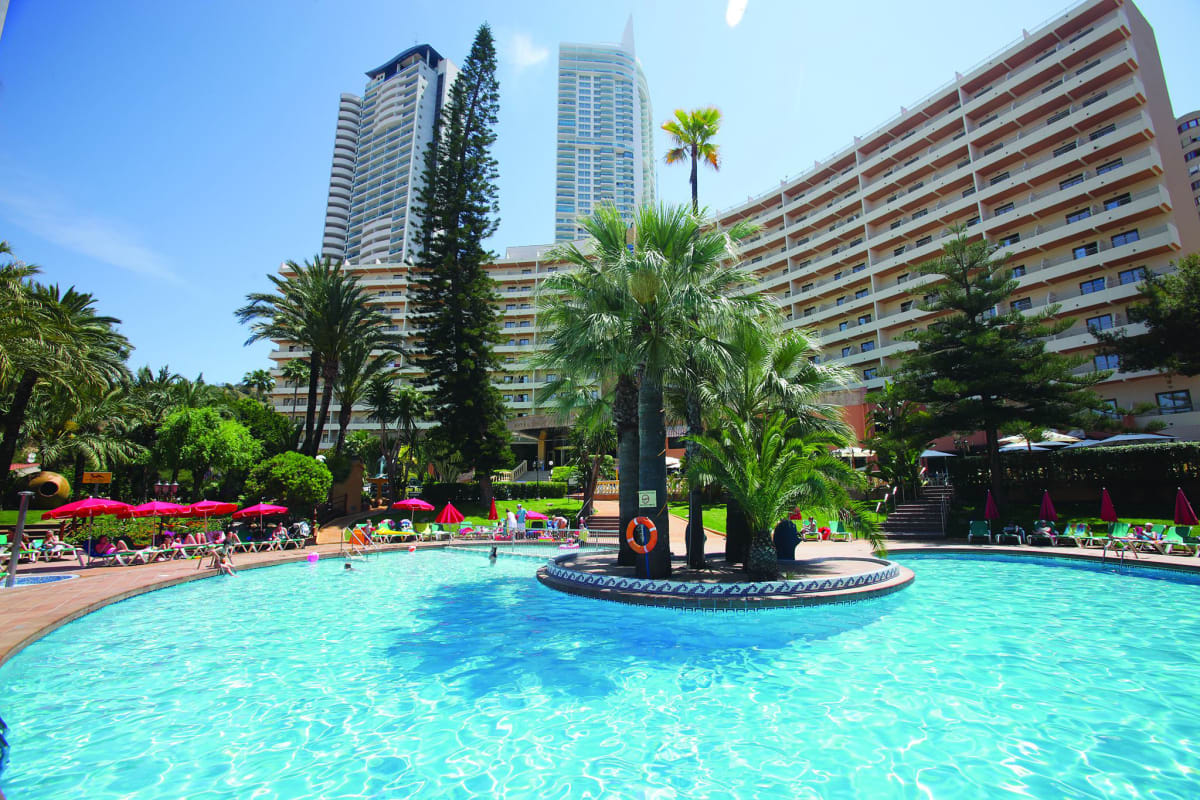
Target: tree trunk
329,374
485,488
737,533
695,186
589,491
762,563
695,530
344,414
77,475
993,448
12,421
314,375
625,415
652,476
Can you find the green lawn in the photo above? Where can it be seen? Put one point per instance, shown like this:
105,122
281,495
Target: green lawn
10,517
1069,513
475,512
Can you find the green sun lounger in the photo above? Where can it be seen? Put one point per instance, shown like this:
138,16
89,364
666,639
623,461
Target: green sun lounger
838,532
979,530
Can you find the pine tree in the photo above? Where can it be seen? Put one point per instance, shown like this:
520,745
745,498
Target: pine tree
454,297
982,363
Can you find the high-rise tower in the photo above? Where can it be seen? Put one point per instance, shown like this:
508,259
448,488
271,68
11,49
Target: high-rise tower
605,148
378,156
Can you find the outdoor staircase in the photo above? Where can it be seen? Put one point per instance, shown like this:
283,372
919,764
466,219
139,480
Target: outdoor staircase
604,527
920,519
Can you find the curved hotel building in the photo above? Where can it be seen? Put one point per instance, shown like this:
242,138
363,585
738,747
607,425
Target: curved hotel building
1062,149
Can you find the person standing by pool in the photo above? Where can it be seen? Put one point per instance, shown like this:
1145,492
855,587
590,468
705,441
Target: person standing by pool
521,516
510,523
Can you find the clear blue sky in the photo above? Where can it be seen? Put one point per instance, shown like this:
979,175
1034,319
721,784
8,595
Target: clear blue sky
167,155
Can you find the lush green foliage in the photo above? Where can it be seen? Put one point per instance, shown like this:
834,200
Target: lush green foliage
898,434
200,440
297,481
1170,310
441,493
454,296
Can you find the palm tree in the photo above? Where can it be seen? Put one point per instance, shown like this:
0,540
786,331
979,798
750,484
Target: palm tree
409,408
260,381
87,431
295,371
770,470
587,310
683,279
773,370
359,364
692,132
66,346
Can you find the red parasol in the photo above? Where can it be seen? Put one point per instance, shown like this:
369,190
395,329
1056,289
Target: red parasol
210,508
89,507
492,514
413,504
1107,512
1047,511
261,510
155,508
1184,515
535,515
989,510
449,515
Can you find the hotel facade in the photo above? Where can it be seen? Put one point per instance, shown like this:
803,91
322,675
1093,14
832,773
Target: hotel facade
1061,149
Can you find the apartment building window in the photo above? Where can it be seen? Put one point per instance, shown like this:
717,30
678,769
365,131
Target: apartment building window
1135,275
898,251
837,276
858,268
1012,238
1096,98
1100,323
864,319
870,373
1085,250
1066,148
526,272
843,325
1053,118
1125,238
1004,209
524,323
1082,213
1094,285
906,306
847,351
1024,304
1105,361
968,191
924,240
522,341
1190,155
510,306
806,287
861,293
1107,129
988,313
1116,163
1018,271
1195,186
973,221
867,346
896,224
510,324
808,312
1191,123
1003,176
508,398
1067,183
508,378
1176,402
841,300
918,214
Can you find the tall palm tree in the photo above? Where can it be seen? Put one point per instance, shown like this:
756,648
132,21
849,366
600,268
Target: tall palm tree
260,381
769,470
359,364
683,278
409,409
692,133
587,308
73,350
91,430
295,371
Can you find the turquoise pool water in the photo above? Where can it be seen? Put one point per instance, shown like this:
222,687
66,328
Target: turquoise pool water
444,675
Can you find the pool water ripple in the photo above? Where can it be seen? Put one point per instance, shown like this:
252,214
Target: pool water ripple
441,674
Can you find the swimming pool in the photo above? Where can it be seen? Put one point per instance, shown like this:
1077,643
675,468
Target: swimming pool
33,580
442,674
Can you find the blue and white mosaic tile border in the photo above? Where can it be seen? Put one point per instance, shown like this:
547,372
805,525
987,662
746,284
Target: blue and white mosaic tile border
886,572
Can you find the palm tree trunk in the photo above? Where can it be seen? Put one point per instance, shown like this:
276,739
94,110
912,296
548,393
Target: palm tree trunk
344,414
589,491
652,475
329,375
314,375
695,531
77,475
737,533
695,186
485,487
12,421
762,563
295,392
625,415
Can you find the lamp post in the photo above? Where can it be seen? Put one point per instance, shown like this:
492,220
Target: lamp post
167,491
537,477
14,553
550,468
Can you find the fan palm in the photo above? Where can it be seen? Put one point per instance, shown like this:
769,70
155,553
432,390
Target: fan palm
591,341
359,364
88,431
691,133
260,381
294,372
770,470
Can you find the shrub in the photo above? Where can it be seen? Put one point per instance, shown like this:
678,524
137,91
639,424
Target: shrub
294,480
441,493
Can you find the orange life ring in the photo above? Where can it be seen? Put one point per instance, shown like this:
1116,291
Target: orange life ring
651,538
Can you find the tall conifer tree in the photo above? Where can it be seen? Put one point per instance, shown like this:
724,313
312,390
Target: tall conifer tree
454,297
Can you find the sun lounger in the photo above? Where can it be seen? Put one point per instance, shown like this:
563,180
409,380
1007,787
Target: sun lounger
838,532
979,529
1180,538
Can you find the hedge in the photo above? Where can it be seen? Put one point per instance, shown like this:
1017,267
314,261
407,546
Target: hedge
1142,473
441,493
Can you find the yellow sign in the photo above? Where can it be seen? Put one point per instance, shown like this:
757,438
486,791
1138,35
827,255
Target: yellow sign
97,477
